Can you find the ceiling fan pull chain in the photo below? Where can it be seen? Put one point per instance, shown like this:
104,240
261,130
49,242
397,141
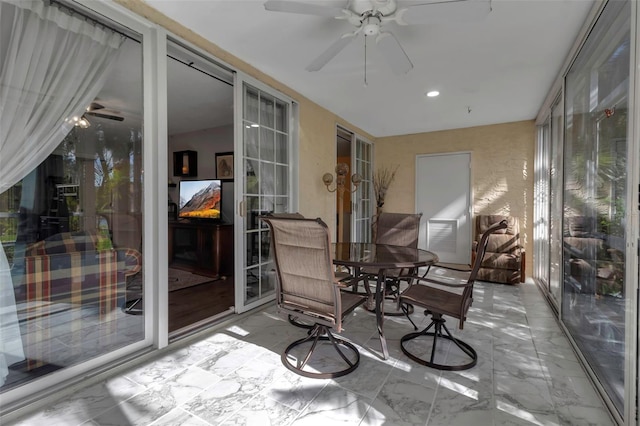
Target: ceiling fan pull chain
365,60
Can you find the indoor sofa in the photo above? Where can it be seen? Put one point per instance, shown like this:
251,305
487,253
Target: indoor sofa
78,268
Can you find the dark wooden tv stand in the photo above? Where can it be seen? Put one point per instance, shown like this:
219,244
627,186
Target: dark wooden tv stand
201,247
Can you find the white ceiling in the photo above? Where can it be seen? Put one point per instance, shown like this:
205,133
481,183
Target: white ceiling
196,100
495,70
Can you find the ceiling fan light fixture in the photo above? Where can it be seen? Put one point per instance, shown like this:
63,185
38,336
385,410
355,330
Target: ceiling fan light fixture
432,93
371,28
81,122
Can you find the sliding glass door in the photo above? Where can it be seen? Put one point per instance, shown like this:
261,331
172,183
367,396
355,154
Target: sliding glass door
595,291
541,207
555,201
71,192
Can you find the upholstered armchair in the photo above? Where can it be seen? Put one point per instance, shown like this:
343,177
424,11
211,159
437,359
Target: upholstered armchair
594,261
504,260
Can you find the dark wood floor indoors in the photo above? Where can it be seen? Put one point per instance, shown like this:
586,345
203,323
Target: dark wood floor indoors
192,304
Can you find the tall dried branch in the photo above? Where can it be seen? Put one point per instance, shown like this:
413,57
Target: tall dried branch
381,181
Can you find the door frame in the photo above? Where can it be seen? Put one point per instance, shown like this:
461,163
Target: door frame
353,168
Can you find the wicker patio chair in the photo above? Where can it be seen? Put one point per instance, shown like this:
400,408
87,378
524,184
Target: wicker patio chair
307,290
439,300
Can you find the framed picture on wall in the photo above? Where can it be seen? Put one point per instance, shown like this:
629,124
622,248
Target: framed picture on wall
224,166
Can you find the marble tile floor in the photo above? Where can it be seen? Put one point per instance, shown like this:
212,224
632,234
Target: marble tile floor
527,374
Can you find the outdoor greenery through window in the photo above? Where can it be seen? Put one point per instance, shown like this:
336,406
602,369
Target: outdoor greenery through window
9,204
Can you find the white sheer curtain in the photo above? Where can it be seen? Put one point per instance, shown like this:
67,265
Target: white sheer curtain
53,65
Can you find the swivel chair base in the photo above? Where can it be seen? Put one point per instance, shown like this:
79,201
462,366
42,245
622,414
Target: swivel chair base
438,324
321,333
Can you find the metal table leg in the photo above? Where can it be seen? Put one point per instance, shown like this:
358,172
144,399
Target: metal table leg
380,311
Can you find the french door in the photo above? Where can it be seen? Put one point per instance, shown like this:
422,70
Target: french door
362,155
264,185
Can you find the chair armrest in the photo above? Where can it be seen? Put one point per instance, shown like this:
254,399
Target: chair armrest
413,280
132,261
341,284
342,276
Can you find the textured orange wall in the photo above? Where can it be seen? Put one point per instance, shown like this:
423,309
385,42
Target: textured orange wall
502,158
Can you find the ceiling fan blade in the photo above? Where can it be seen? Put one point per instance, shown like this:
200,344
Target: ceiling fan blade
453,10
94,106
393,52
107,116
332,51
303,8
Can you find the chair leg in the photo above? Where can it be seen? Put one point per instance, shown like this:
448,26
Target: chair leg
427,271
405,310
392,292
438,324
133,307
321,333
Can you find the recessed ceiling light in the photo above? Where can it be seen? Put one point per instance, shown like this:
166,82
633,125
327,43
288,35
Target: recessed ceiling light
433,93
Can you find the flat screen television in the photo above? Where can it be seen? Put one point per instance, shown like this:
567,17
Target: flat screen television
200,199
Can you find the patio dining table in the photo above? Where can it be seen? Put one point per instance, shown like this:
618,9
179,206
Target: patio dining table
381,257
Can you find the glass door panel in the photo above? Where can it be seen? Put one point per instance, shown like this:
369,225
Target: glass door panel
595,180
71,224
266,188
361,199
541,207
555,201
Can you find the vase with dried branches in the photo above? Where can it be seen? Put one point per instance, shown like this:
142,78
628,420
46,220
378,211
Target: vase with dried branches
382,179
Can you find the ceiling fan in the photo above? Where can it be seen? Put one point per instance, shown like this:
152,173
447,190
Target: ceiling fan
369,16
98,110
84,123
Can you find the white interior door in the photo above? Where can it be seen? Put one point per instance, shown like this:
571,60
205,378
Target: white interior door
443,196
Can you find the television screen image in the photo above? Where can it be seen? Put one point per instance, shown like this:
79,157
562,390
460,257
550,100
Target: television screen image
200,199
